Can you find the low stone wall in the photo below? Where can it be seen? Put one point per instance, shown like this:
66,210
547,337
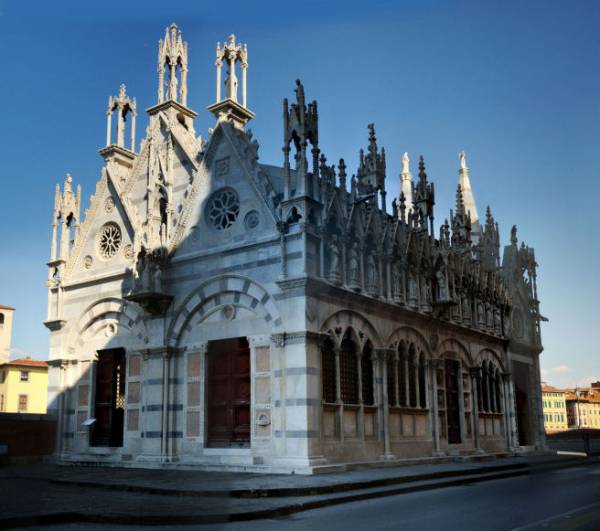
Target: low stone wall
26,437
583,440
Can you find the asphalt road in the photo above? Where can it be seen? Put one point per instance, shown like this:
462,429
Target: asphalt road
566,499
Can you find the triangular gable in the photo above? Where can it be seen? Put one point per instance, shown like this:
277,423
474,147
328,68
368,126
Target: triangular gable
222,133
85,240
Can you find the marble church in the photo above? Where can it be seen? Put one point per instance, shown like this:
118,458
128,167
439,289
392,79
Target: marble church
213,311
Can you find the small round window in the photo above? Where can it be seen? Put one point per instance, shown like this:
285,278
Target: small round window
109,240
223,209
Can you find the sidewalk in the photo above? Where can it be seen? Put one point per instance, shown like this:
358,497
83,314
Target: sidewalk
46,494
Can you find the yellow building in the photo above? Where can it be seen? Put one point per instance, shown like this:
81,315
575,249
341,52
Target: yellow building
583,406
23,386
555,409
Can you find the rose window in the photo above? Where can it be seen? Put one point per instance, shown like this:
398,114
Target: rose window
223,209
109,241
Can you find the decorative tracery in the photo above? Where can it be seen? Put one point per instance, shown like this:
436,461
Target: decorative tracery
109,241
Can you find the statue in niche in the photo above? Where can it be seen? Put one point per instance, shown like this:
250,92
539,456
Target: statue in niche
173,84
354,267
480,314
372,276
497,321
412,289
466,309
141,278
156,275
396,283
442,284
334,259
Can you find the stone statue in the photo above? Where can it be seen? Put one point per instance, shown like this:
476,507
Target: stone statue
372,276
480,314
395,283
334,259
405,163
354,267
440,276
463,162
412,289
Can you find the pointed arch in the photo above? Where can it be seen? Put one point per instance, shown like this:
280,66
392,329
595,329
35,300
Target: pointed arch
409,335
216,293
110,311
337,324
455,346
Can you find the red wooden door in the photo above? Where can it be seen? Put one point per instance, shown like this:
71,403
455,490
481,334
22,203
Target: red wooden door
108,404
228,393
452,368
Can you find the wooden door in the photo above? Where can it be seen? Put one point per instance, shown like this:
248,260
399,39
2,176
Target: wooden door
452,369
228,393
109,398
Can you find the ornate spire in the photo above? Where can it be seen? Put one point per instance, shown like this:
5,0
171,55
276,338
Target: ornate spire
468,197
124,106
229,108
300,126
424,198
342,174
371,169
406,184
172,60
461,224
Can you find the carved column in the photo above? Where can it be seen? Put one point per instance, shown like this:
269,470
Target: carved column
219,66
382,357
108,126
244,91
120,127
183,87
415,364
475,374
133,117
406,379
434,364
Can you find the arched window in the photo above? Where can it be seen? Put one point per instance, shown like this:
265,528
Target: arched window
367,375
348,371
402,370
422,386
412,374
1,320
328,372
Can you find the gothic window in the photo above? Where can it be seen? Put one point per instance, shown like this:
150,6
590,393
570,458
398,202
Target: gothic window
223,209
328,373
109,240
349,371
367,375
403,391
422,387
412,375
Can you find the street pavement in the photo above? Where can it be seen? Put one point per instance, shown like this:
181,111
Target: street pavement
567,498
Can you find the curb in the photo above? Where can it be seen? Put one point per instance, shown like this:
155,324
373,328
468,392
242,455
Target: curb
295,491
284,510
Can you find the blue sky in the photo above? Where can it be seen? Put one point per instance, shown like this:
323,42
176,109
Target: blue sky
514,84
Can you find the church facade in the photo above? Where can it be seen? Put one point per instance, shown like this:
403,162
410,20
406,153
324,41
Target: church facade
213,311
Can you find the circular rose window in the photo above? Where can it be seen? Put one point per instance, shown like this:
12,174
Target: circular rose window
223,209
109,241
